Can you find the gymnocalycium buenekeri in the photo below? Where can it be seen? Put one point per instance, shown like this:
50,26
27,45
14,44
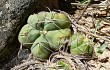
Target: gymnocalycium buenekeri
80,45
46,31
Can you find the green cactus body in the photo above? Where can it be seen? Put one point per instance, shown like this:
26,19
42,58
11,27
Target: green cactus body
79,45
41,48
51,26
62,20
77,39
50,15
56,21
63,65
42,16
57,37
49,22
35,21
28,34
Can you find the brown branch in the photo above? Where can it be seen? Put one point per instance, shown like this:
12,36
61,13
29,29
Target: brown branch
89,1
81,28
25,64
92,5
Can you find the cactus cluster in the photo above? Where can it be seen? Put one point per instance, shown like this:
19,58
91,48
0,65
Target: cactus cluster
46,31
80,45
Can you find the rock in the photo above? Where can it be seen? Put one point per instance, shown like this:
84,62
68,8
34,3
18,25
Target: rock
13,15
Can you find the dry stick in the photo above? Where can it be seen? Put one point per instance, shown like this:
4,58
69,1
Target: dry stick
74,23
89,1
107,34
93,5
101,37
84,30
81,65
74,56
107,10
76,59
20,50
25,64
30,56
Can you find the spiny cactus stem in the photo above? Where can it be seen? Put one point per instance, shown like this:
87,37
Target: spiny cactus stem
59,20
53,20
48,43
38,55
45,47
56,25
56,20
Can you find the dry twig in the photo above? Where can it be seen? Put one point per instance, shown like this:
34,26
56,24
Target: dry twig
93,5
83,29
27,63
89,1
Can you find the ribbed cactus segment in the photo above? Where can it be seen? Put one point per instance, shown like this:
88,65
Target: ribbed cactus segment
80,45
28,35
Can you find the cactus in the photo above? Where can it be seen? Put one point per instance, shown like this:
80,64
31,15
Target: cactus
49,22
49,41
51,26
41,48
35,21
47,31
57,37
62,20
42,16
80,45
50,15
56,21
63,65
28,34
